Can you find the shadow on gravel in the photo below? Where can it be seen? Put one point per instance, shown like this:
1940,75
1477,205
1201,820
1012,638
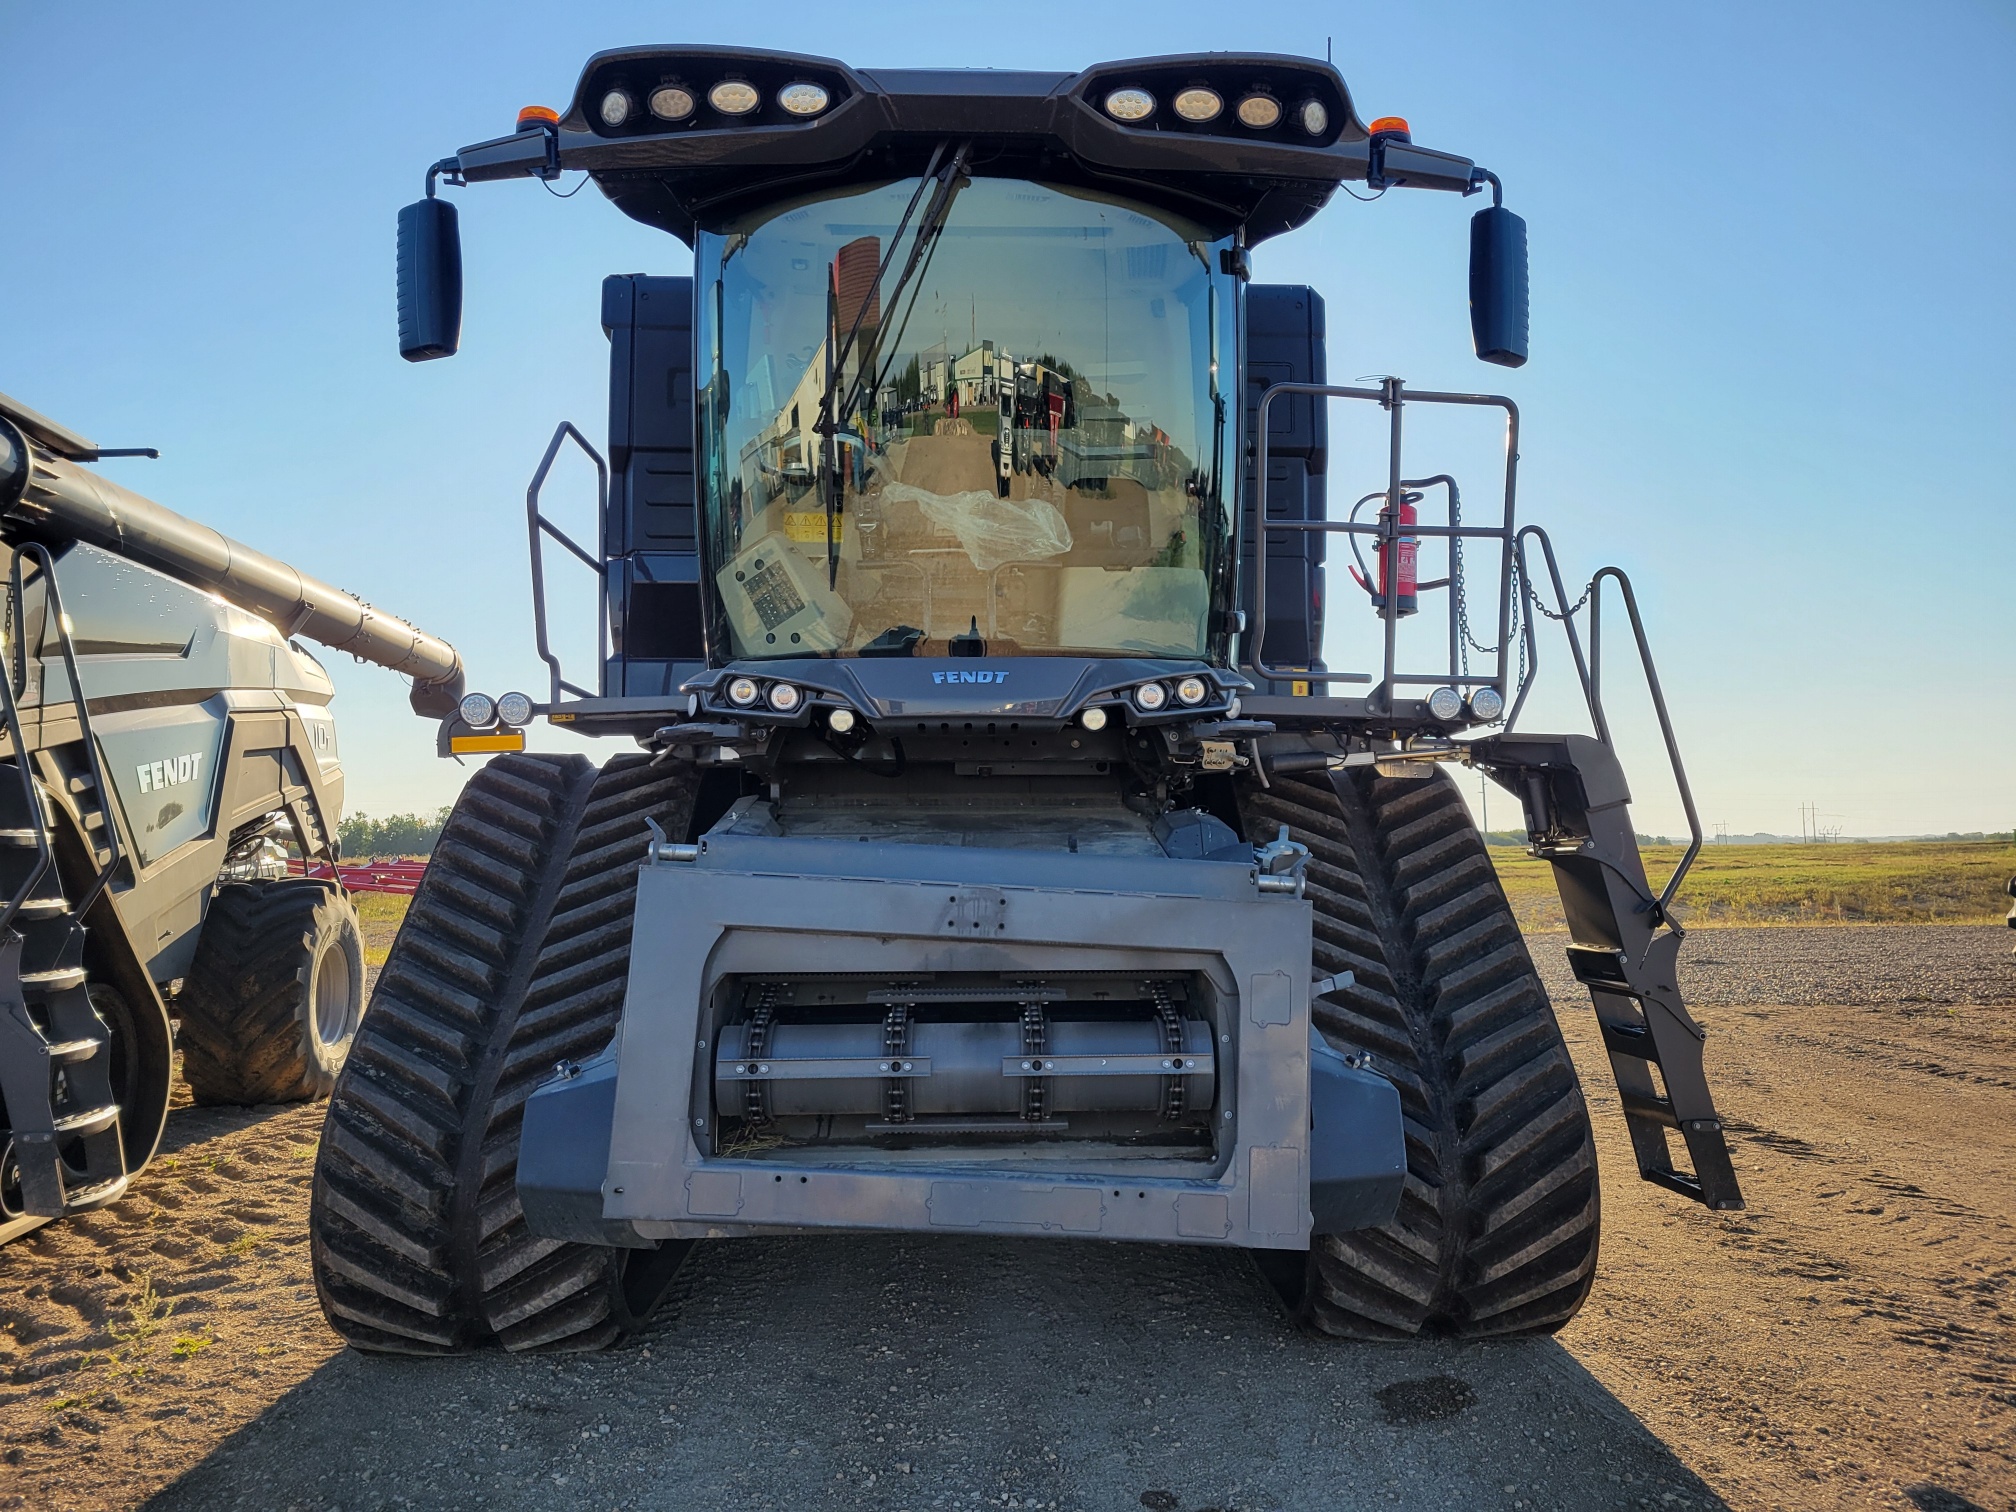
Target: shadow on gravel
905,1371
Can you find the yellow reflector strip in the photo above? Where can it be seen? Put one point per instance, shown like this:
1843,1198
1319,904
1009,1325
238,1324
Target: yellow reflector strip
810,529
484,745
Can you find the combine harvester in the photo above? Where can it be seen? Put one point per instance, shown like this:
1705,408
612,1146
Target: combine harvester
162,729
1000,858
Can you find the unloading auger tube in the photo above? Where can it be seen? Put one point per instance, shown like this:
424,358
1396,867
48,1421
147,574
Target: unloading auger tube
49,495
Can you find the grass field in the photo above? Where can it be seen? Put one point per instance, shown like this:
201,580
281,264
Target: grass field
1898,882
378,915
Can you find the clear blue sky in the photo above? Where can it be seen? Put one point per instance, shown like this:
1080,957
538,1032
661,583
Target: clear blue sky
1771,370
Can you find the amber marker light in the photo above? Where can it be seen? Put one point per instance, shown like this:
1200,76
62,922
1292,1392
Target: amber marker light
532,117
1391,126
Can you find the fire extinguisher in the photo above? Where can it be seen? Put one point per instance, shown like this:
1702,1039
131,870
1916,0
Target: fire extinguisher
1398,569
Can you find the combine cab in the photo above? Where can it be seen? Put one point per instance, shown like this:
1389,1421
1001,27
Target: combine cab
1000,856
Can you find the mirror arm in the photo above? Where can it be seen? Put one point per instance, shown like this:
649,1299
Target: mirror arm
448,167
1479,177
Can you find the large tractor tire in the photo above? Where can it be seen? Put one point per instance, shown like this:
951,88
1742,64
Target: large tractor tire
1497,1228
274,995
513,957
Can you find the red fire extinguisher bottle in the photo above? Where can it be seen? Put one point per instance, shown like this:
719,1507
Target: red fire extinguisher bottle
1397,557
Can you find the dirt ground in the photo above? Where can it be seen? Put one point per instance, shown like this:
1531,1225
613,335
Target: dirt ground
1849,1341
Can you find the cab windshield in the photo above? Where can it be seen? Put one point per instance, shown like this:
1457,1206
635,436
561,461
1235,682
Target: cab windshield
1024,443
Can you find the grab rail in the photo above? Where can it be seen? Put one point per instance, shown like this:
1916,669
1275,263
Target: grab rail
1391,395
39,555
1589,670
535,524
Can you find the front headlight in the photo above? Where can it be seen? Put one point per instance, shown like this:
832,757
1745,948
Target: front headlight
785,698
515,709
742,692
1445,704
1192,690
478,710
1486,704
1150,696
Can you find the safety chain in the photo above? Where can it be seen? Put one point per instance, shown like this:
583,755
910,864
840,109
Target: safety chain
1172,1044
1035,1040
896,1044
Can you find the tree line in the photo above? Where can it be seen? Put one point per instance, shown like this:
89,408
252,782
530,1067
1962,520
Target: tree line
393,835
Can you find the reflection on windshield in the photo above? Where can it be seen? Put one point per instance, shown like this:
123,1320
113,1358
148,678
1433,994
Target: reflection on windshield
1026,433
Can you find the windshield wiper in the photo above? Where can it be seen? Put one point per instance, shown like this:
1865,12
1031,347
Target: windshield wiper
829,422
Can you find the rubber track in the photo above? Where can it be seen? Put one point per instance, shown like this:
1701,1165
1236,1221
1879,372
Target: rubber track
244,1012
1497,1227
512,957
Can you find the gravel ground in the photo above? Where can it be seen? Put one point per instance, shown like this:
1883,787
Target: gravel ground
1845,1343
1853,965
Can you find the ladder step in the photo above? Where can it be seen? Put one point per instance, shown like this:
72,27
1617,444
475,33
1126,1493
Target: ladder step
1598,966
89,1121
1628,1039
44,908
1654,1109
54,981
19,837
64,1051
98,1194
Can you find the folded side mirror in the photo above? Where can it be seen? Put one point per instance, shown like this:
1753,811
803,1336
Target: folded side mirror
1498,297
430,281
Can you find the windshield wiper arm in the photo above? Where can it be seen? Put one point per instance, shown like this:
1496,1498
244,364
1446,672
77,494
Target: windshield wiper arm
829,423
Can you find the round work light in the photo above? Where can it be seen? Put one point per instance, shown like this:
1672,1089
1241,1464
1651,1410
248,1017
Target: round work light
671,103
734,98
1130,104
1259,111
804,99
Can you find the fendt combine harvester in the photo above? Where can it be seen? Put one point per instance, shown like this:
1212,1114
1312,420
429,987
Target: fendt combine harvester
162,734
1001,859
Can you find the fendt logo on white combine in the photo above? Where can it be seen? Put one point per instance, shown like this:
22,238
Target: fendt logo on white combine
173,772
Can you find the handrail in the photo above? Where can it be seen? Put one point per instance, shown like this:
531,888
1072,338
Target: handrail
1391,395
40,554
30,793
535,523
1590,670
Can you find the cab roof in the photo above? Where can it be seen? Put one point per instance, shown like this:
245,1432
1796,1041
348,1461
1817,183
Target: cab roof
701,170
